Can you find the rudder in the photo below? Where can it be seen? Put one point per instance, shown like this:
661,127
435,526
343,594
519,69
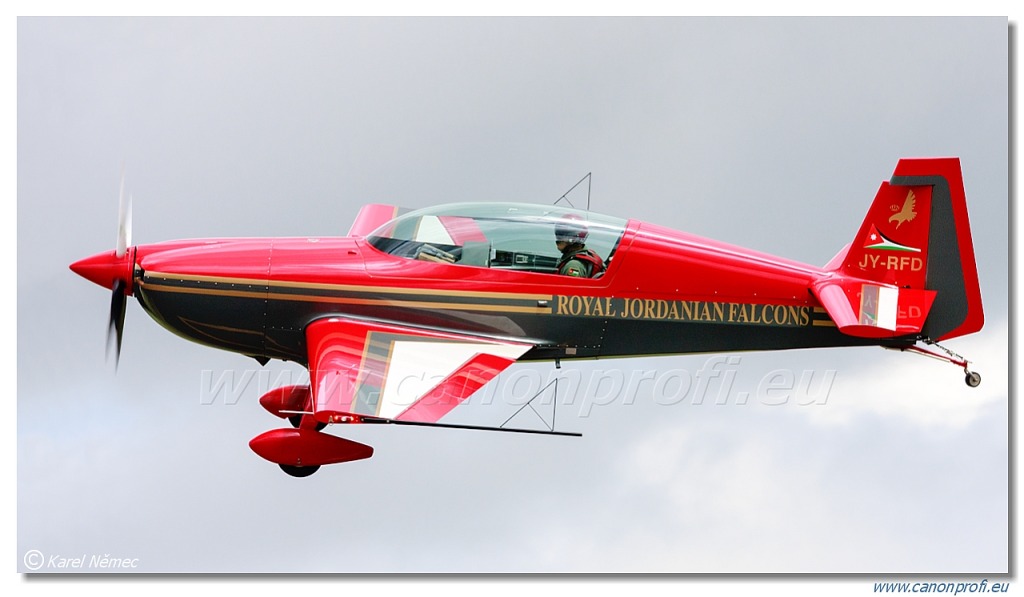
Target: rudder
951,269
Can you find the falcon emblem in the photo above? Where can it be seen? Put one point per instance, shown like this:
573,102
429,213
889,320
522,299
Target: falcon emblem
907,213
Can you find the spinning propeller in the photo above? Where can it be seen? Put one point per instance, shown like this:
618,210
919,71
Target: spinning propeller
113,269
119,297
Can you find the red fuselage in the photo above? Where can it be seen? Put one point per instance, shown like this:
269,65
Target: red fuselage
413,312
663,292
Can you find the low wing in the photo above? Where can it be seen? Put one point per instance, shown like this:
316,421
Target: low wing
369,369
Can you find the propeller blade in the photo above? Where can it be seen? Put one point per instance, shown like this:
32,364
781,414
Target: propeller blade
115,328
124,221
128,225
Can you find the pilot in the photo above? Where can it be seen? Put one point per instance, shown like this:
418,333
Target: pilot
577,260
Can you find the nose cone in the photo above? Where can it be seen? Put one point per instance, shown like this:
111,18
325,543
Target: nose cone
105,268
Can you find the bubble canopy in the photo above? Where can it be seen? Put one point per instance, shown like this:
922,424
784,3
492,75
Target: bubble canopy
519,236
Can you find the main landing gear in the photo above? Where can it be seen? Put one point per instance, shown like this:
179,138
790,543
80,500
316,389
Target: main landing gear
971,378
296,421
299,471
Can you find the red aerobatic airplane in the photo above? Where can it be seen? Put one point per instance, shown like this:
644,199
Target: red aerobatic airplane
410,314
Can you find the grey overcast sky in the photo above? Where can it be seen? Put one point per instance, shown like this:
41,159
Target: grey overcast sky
768,133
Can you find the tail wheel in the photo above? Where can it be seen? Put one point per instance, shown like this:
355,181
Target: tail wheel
971,378
299,471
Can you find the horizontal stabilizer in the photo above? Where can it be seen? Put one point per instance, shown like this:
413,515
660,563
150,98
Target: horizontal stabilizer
869,310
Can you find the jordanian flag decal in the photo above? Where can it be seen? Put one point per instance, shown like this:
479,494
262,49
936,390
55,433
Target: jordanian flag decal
875,240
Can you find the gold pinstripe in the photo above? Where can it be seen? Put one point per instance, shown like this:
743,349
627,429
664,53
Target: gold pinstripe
349,287
347,301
